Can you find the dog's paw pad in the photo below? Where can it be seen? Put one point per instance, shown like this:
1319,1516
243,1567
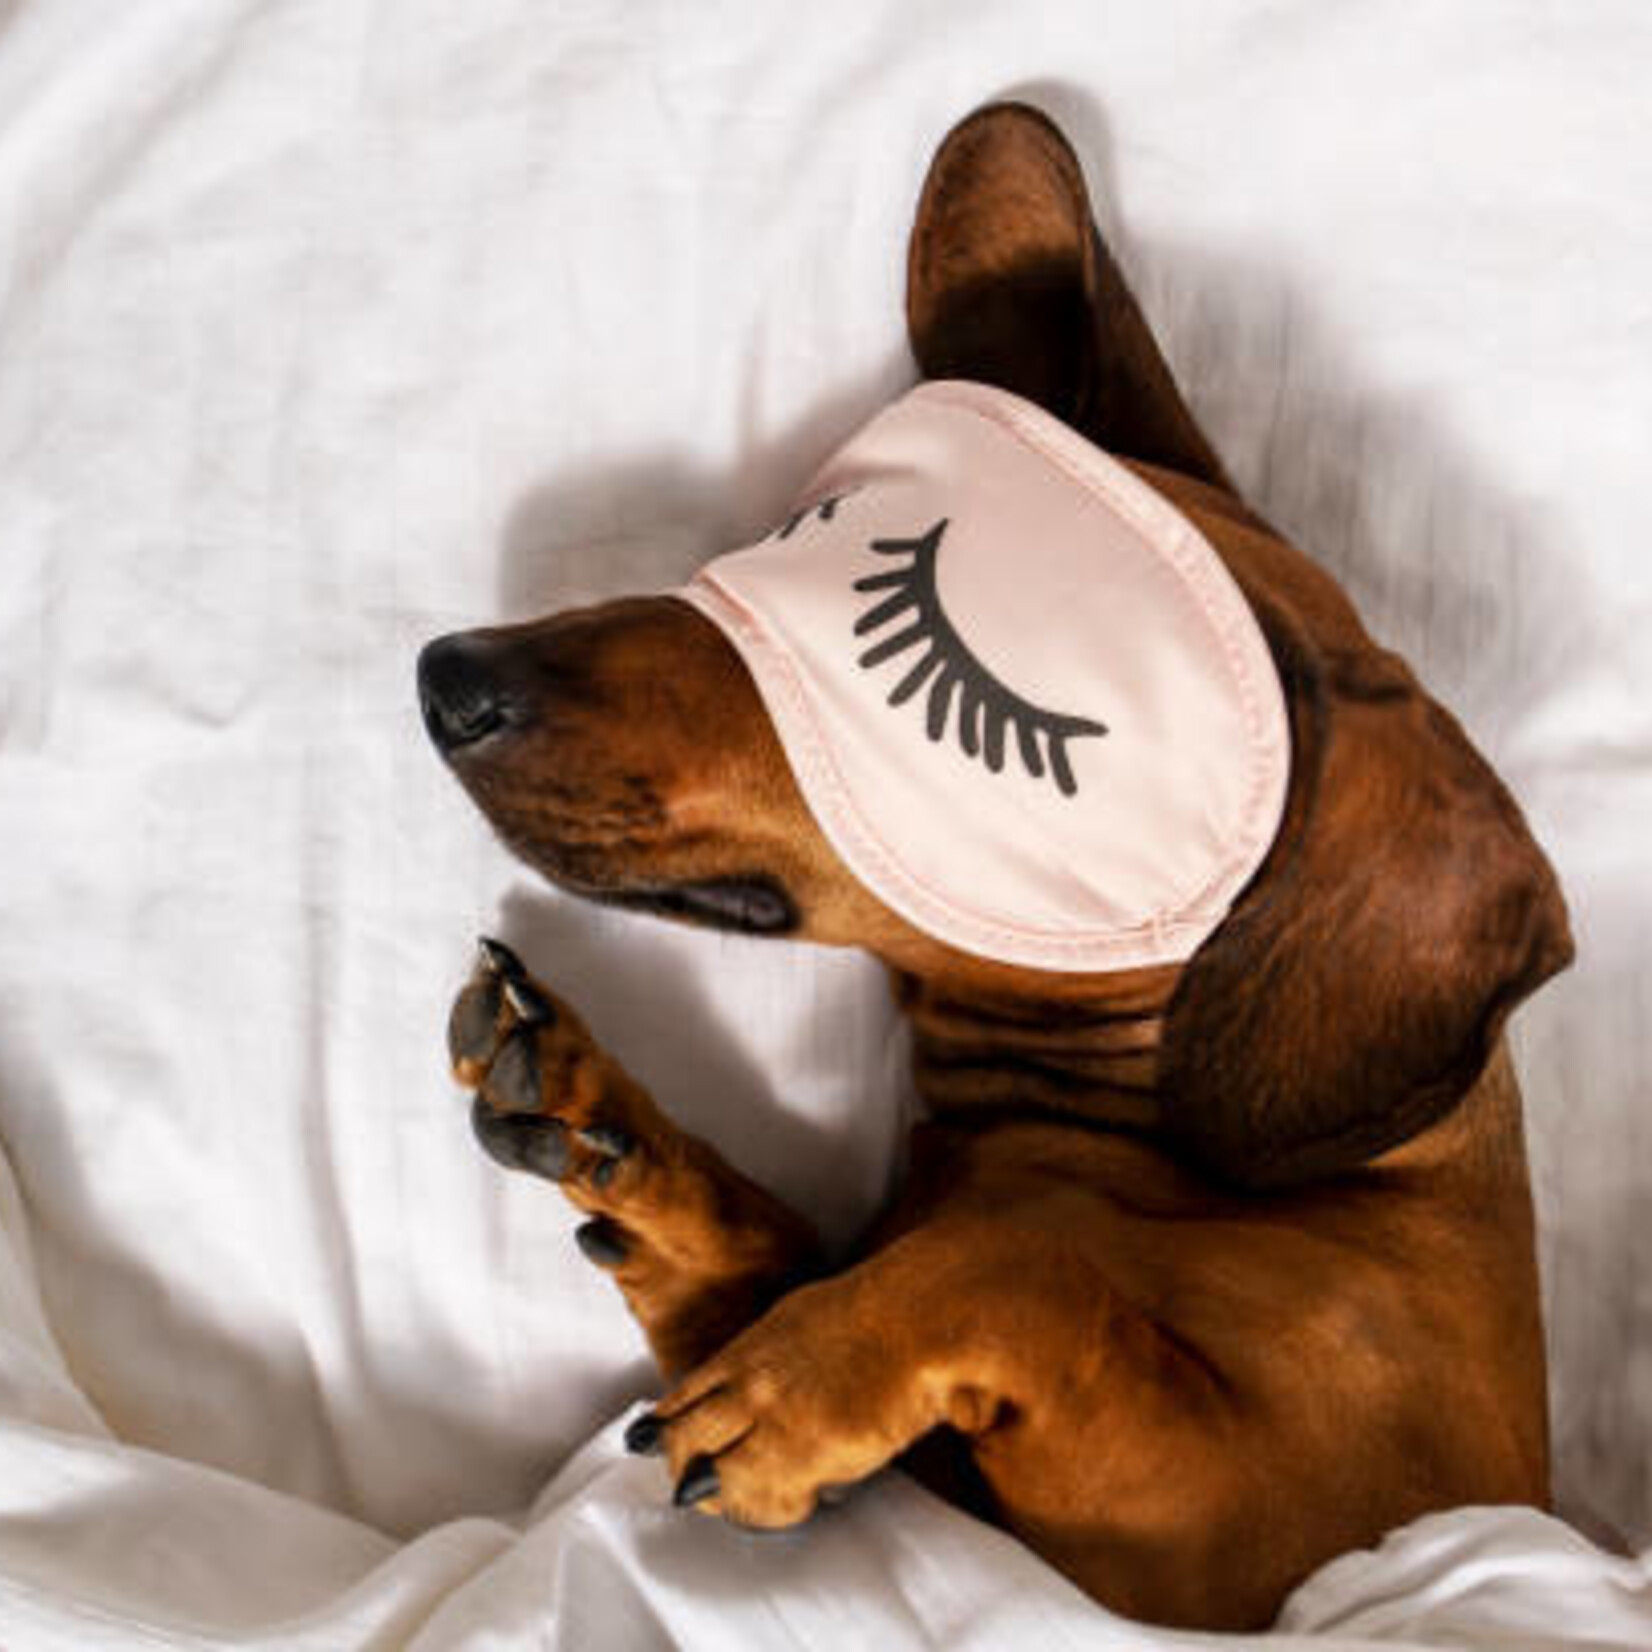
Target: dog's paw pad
512,1083
522,1141
547,1099
473,1027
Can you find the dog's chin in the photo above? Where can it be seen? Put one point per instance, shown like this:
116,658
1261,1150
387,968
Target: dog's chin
754,903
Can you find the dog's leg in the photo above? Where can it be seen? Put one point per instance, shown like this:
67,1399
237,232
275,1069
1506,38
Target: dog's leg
987,1309
697,1249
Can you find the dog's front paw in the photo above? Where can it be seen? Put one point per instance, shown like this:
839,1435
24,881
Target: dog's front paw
803,1404
696,1248
548,1099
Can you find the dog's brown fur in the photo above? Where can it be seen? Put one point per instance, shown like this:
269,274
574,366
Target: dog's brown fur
1211,1273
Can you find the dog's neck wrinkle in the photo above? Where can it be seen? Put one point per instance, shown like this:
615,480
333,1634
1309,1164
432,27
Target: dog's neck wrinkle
1093,1054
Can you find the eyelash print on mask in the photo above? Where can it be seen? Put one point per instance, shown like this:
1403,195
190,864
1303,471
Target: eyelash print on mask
986,708
822,512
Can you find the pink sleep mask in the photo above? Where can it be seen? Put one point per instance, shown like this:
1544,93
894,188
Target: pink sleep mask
1020,692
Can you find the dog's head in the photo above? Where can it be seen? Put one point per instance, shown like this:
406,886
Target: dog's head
1357,985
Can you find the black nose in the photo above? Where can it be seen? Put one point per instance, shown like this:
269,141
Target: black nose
460,696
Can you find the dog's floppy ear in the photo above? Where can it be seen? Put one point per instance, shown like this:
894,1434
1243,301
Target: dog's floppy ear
1008,283
1357,989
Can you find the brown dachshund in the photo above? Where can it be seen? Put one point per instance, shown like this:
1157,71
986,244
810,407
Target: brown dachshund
1201,1274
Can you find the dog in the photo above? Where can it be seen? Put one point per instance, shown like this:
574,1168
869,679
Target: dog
1214,1258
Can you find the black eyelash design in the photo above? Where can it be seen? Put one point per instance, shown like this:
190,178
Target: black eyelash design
823,512
985,707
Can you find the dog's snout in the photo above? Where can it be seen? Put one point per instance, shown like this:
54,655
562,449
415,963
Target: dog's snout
460,694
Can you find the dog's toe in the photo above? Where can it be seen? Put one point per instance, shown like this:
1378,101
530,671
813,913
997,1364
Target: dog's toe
645,1436
602,1242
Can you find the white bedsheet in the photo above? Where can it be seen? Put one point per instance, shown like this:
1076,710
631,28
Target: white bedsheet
328,325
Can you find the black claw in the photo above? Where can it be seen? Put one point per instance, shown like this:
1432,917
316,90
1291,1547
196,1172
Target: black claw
607,1139
601,1241
532,1007
513,1080
699,1482
470,1026
496,956
645,1436
522,1141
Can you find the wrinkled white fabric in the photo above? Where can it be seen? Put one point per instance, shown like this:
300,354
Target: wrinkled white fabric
106,1546
328,326
1089,751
